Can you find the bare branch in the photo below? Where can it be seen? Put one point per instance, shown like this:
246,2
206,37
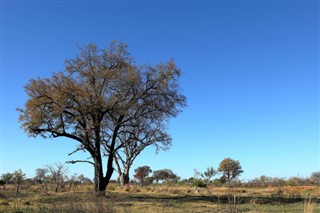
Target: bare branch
79,161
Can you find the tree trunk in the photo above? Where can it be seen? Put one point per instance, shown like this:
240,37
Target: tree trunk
17,189
109,173
124,179
110,168
100,184
57,187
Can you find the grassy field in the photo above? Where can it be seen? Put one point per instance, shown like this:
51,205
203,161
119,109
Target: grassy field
304,199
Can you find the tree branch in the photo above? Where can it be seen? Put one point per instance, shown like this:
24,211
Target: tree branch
78,149
79,161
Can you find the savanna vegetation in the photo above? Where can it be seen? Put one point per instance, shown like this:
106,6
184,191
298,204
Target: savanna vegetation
114,108
159,191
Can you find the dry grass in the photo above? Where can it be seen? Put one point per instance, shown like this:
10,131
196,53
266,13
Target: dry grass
309,206
161,198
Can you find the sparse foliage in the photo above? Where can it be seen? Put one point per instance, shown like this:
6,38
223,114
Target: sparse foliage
57,172
135,140
196,173
208,174
101,97
18,177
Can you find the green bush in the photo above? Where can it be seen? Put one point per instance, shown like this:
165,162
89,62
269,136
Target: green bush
148,181
199,183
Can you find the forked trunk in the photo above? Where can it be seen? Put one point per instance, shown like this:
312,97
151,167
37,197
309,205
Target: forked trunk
124,178
100,187
100,181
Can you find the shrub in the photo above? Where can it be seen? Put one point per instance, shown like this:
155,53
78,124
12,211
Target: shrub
199,183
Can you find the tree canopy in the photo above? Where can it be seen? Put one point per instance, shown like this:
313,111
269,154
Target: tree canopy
141,173
165,175
230,169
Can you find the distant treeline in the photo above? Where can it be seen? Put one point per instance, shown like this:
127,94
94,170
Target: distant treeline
54,177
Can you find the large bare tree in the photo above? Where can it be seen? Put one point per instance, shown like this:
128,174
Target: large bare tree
101,94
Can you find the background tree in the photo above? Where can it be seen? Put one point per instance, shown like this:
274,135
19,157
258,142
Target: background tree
264,180
278,181
296,181
100,95
7,178
18,177
230,169
84,180
148,181
41,174
57,172
165,175
136,139
73,181
141,173
196,180
315,178
208,174
196,173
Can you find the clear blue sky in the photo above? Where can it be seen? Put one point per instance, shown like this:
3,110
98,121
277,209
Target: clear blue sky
250,73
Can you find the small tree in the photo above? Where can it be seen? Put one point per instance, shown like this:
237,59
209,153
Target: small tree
18,177
208,174
40,175
141,173
57,172
230,169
